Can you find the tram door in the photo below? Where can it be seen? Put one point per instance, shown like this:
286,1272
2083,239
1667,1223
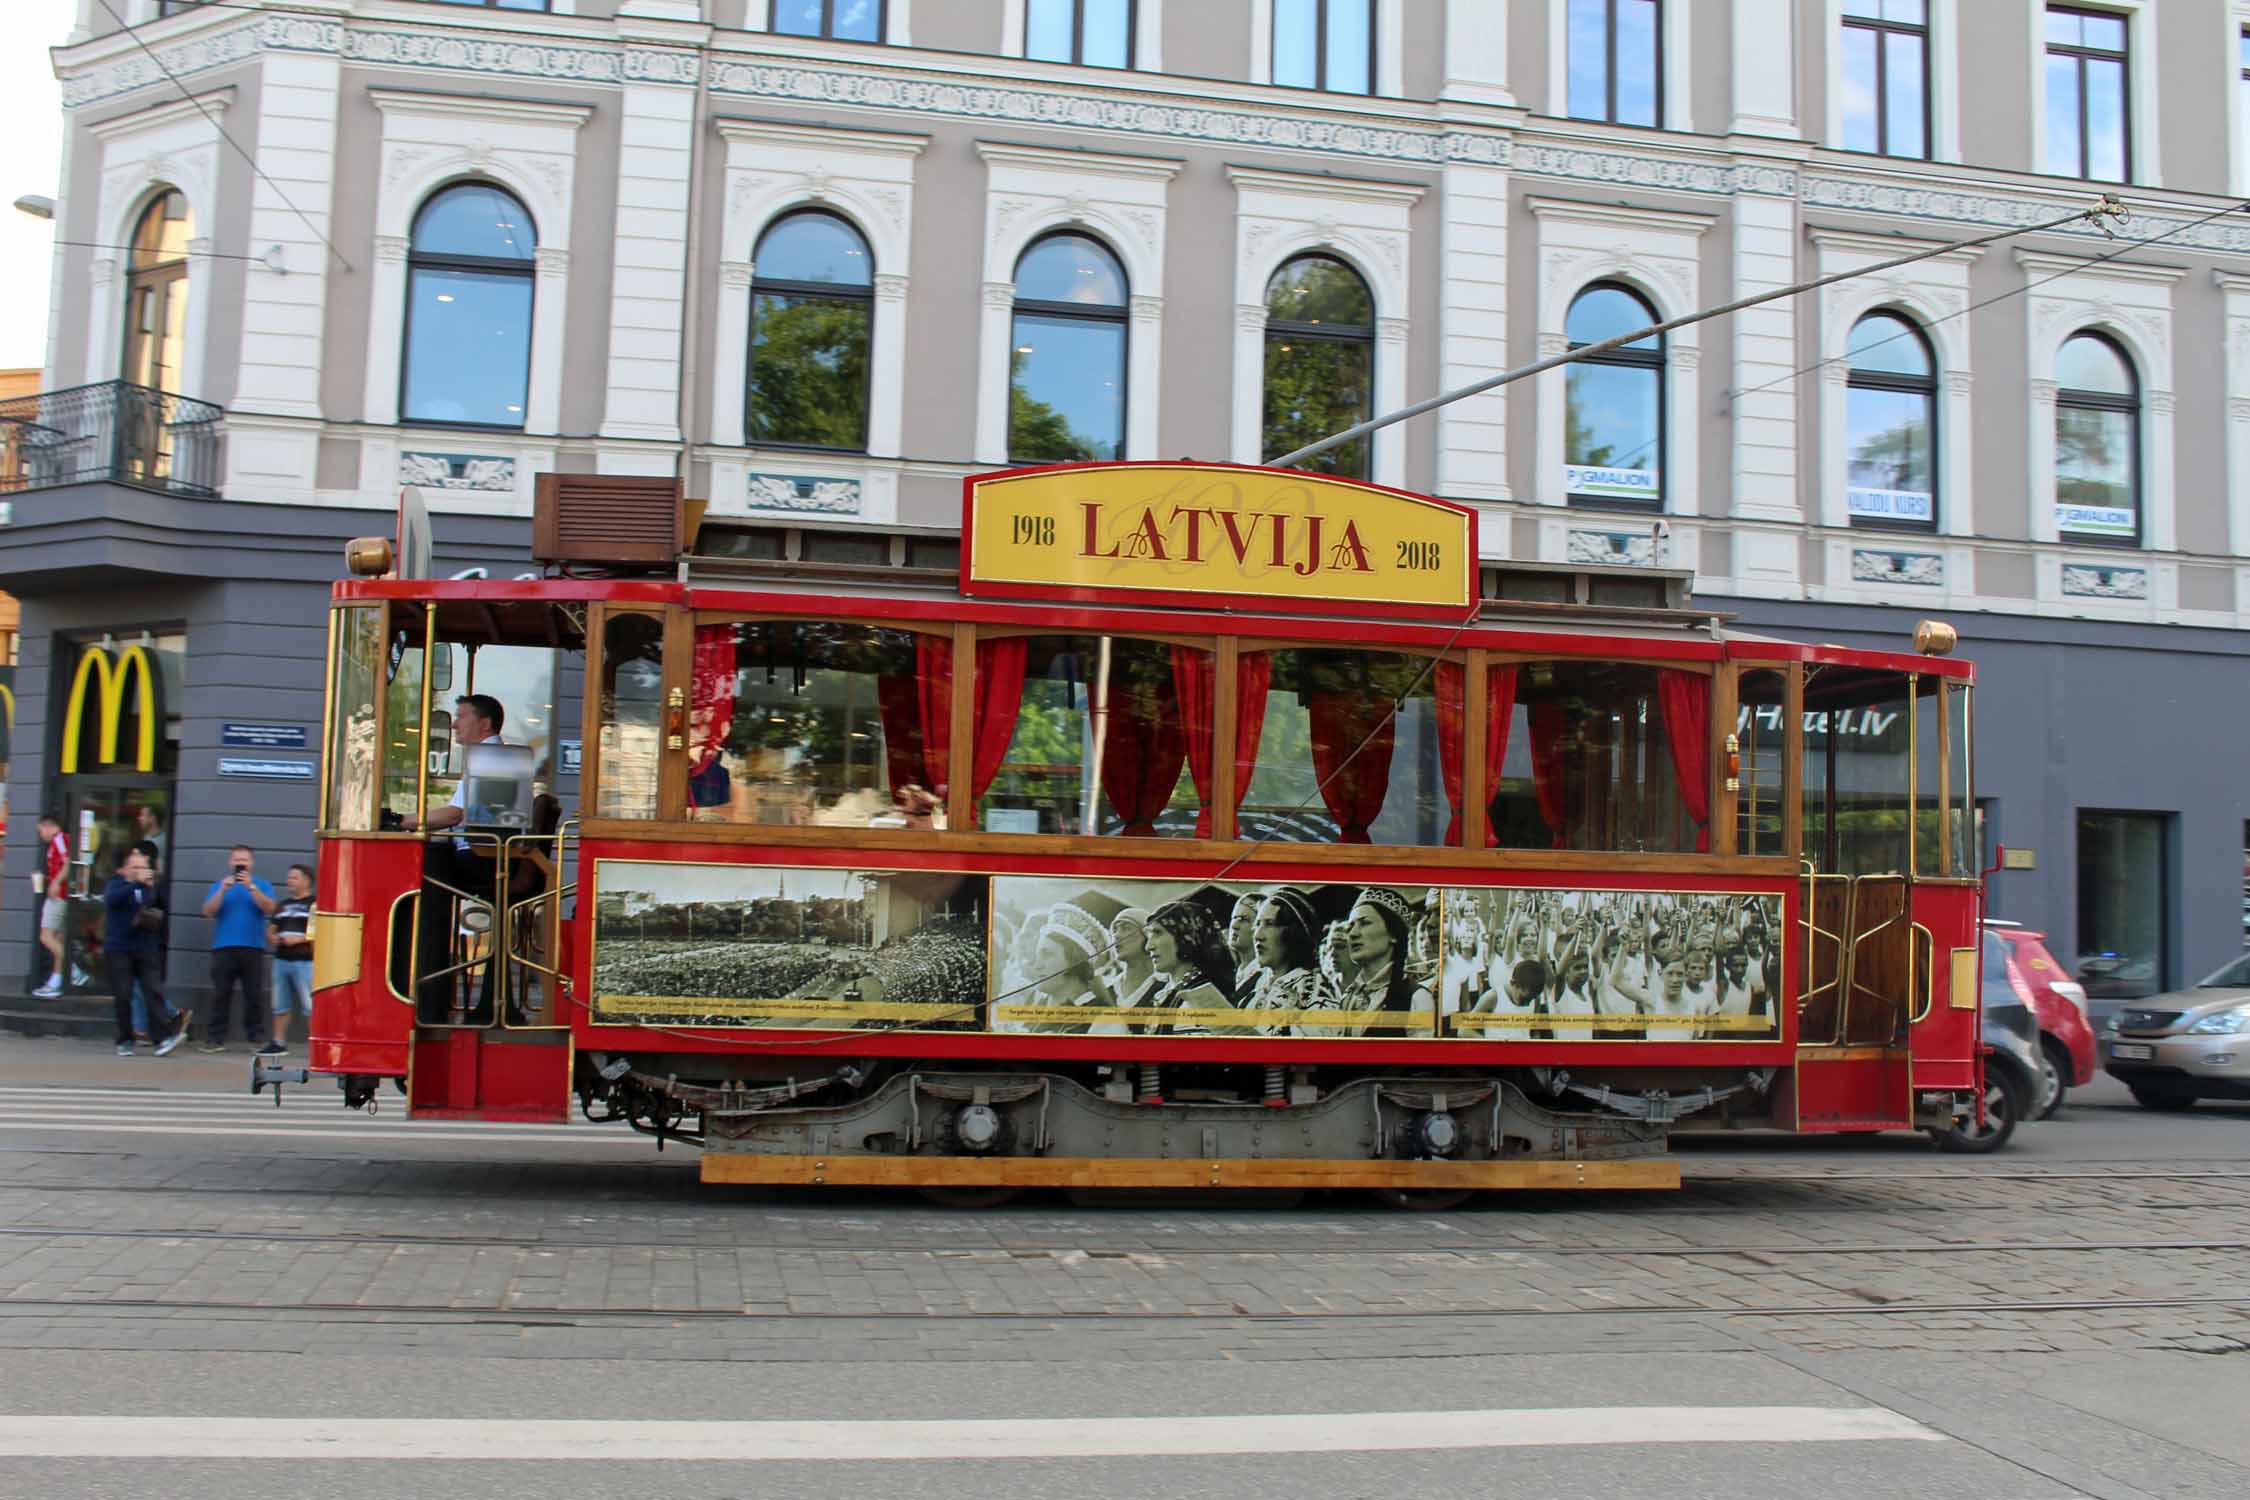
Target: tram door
1857,994
491,1036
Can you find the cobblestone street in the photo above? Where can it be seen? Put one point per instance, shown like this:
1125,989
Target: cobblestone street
2071,1300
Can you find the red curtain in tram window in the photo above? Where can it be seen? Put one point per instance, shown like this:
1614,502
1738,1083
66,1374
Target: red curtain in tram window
1686,701
999,695
898,698
1142,748
1452,683
710,694
1452,710
933,688
1352,738
1547,768
1253,679
1500,712
1194,678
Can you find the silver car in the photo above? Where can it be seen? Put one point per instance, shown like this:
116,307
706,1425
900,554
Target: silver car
2176,1048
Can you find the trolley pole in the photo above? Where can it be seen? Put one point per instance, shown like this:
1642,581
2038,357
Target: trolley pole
2108,209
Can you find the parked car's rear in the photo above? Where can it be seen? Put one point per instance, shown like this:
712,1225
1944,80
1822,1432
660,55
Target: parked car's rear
2066,1033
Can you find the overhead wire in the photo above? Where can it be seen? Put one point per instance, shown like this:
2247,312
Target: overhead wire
2026,289
219,125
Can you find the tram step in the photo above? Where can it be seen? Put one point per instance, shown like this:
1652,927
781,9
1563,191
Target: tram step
476,1075
1103,1172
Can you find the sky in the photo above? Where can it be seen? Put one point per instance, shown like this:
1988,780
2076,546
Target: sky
31,124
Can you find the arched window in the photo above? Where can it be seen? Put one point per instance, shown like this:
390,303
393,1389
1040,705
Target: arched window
1890,416
468,309
156,293
812,316
1066,384
1613,406
1320,361
2097,442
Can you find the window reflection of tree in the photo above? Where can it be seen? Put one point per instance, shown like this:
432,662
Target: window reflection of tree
1320,362
811,318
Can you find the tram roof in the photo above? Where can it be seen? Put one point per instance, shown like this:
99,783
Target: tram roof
508,610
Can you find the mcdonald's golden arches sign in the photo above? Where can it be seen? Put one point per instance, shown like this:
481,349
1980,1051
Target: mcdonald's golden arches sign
109,675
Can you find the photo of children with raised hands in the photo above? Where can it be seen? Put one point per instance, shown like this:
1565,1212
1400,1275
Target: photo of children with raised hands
1582,966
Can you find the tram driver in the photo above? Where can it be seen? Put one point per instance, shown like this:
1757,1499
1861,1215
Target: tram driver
480,797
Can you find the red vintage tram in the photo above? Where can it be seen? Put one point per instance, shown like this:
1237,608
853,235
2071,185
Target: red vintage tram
1169,825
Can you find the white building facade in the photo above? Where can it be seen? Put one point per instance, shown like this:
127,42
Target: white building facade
825,257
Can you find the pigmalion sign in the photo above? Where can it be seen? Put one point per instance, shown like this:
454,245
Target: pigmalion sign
1170,533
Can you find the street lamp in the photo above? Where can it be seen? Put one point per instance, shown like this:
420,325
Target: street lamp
38,205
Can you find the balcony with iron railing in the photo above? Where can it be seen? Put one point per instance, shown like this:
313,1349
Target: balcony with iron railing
111,432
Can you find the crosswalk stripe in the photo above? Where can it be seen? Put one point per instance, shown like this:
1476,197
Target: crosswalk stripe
236,1438
400,1132
293,1112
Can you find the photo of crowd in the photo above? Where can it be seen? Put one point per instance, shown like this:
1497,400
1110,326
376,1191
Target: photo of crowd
825,949
1579,966
1175,958
750,945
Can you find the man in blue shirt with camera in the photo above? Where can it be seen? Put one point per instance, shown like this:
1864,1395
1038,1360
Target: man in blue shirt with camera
239,905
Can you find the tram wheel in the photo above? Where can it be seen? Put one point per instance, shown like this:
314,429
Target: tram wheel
1424,1200
968,1197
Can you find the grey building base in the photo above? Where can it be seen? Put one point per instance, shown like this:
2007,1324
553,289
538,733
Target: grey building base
249,585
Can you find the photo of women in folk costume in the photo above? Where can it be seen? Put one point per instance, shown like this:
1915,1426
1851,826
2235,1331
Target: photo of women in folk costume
1286,935
1275,956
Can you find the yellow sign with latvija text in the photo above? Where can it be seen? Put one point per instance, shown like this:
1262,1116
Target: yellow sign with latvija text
1216,533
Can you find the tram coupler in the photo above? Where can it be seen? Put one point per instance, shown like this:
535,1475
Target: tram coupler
271,1072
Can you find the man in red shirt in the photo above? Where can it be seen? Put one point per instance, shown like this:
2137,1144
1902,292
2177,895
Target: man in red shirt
54,900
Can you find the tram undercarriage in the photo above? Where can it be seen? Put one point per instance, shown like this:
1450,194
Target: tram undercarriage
946,1126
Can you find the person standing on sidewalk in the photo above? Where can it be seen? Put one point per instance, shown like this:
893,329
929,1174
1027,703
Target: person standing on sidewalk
129,946
54,902
292,958
239,905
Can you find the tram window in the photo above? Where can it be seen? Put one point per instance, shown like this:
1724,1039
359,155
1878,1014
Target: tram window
1761,732
355,732
1858,770
1112,736
814,723
1931,843
1332,763
933,552
1966,836
632,715
521,680
403,730
1606,756
861,551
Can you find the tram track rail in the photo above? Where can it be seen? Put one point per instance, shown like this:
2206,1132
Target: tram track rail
579,1317
1297,1249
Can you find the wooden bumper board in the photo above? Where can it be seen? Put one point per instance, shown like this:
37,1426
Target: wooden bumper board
1100,1172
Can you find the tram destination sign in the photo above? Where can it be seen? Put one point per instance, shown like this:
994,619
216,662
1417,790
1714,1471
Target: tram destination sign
1220,534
